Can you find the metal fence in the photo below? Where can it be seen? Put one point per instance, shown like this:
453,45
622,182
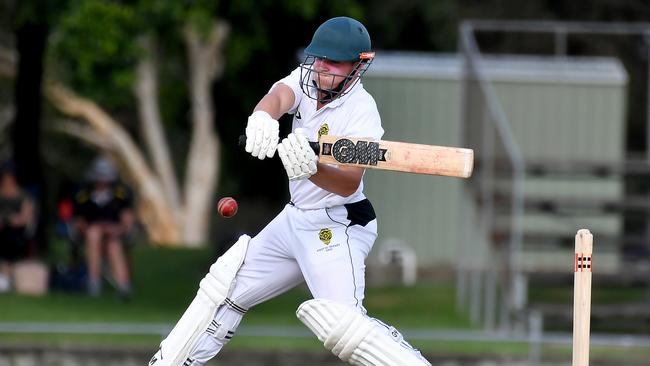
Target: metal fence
497,280
495,292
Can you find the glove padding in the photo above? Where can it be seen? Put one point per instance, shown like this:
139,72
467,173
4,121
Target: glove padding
297,156
262,135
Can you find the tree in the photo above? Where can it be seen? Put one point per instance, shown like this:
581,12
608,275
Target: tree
103,52
119,52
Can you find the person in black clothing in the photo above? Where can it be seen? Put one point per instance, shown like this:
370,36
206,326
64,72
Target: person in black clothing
16,214
104,215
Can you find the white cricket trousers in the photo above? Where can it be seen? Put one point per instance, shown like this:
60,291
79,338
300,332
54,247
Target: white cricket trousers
326,248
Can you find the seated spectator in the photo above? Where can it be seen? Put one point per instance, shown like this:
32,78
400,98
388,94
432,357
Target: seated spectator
16,215
103,213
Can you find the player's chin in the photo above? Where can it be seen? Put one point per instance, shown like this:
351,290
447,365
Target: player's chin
327,82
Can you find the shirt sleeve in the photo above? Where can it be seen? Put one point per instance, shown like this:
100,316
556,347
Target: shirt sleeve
293,82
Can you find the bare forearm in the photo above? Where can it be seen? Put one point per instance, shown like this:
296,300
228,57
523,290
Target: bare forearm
270,104
277,102
341,181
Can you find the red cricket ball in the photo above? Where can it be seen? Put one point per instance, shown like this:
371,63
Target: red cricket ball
227,207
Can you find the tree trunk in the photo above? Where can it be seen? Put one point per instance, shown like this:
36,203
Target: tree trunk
153,208
7,62
26,132
203,160
7,112
146,91
168,217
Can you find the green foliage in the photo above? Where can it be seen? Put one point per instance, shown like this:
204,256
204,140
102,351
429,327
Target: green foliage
413,24
32,11
163,17
304,9
254,28
94,46
94,49
201,15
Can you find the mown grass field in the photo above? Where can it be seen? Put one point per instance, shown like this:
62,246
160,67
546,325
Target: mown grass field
166,280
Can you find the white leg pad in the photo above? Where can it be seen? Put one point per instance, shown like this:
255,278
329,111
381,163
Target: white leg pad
214,288
355,338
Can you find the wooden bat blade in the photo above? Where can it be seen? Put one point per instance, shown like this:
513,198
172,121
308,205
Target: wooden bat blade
397,156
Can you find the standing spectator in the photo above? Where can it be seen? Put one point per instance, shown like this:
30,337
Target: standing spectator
16,215
104,215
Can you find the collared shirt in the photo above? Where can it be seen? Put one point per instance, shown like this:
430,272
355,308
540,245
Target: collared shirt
353,115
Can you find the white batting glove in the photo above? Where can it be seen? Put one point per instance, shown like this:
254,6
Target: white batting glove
262,135
298,158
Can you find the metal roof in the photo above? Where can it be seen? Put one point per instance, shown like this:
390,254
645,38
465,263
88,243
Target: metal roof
507,68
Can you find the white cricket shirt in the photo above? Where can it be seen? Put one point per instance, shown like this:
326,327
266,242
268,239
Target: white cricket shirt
354,115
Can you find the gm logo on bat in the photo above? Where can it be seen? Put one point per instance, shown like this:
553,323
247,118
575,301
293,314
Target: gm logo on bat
362,153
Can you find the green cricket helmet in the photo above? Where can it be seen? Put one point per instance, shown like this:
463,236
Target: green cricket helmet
339,39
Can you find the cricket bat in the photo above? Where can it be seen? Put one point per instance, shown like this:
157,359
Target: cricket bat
393,155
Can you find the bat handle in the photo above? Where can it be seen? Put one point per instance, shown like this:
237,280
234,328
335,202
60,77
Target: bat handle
314,145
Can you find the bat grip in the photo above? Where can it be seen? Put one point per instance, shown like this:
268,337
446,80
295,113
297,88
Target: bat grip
314,145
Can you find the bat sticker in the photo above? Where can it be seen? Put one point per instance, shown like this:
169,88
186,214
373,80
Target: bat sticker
362,153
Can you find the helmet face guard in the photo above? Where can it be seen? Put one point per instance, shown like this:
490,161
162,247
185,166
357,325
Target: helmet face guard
327,93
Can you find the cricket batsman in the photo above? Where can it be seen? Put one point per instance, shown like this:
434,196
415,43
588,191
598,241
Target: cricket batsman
322,236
